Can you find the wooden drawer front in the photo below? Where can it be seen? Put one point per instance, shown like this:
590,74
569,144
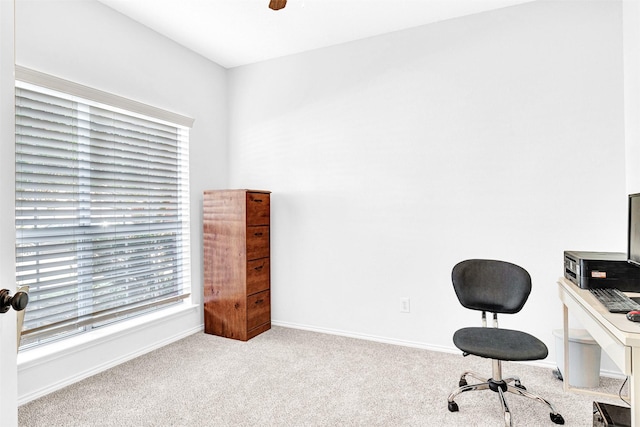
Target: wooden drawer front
257,242
258,275
258,209
258,309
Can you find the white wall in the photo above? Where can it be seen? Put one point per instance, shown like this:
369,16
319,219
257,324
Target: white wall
88,43
631,31
497,135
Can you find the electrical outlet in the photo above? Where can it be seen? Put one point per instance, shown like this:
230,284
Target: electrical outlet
405,305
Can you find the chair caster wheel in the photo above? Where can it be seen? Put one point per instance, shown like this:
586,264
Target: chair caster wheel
556,418
462,383
453,407
520,386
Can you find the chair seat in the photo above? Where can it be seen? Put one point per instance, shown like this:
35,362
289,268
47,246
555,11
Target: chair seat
500,344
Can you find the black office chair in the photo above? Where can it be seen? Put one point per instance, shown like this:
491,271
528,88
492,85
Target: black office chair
495,287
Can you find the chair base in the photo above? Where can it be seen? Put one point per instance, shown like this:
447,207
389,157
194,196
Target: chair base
500,386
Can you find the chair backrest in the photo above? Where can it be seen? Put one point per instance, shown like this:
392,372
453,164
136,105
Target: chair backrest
490,285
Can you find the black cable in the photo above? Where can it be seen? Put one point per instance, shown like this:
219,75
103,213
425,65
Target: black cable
620,391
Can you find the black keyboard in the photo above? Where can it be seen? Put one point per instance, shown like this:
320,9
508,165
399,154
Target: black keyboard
614,300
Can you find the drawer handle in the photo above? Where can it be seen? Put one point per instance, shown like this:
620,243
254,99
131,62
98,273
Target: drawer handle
259,268
257,200
260,301
257,234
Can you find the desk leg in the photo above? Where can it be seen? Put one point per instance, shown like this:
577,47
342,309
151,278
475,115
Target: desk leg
634,387
565,343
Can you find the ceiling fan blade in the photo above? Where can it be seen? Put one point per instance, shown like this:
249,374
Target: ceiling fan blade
277,4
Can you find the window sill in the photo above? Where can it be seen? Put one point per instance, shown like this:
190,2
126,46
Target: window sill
64,347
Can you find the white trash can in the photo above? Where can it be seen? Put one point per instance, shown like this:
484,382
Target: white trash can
584,358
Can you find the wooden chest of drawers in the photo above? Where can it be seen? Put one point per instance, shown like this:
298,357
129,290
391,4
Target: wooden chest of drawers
237,274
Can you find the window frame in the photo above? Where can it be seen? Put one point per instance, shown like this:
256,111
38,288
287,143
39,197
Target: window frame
134,108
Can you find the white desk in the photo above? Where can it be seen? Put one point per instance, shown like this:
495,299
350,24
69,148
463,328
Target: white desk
618,337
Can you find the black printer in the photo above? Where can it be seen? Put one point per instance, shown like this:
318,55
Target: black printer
592,270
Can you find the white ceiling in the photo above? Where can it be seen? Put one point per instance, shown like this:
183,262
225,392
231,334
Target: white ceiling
239,32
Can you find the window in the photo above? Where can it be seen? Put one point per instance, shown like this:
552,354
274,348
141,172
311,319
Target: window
102,207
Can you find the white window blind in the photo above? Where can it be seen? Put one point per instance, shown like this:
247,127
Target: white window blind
102,213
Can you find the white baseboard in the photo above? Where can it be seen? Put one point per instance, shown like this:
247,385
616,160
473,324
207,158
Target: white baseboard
44,370
368,337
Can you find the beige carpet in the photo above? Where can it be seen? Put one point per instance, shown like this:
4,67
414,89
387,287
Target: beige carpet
289,377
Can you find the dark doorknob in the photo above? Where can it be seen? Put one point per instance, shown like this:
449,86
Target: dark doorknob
19,301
